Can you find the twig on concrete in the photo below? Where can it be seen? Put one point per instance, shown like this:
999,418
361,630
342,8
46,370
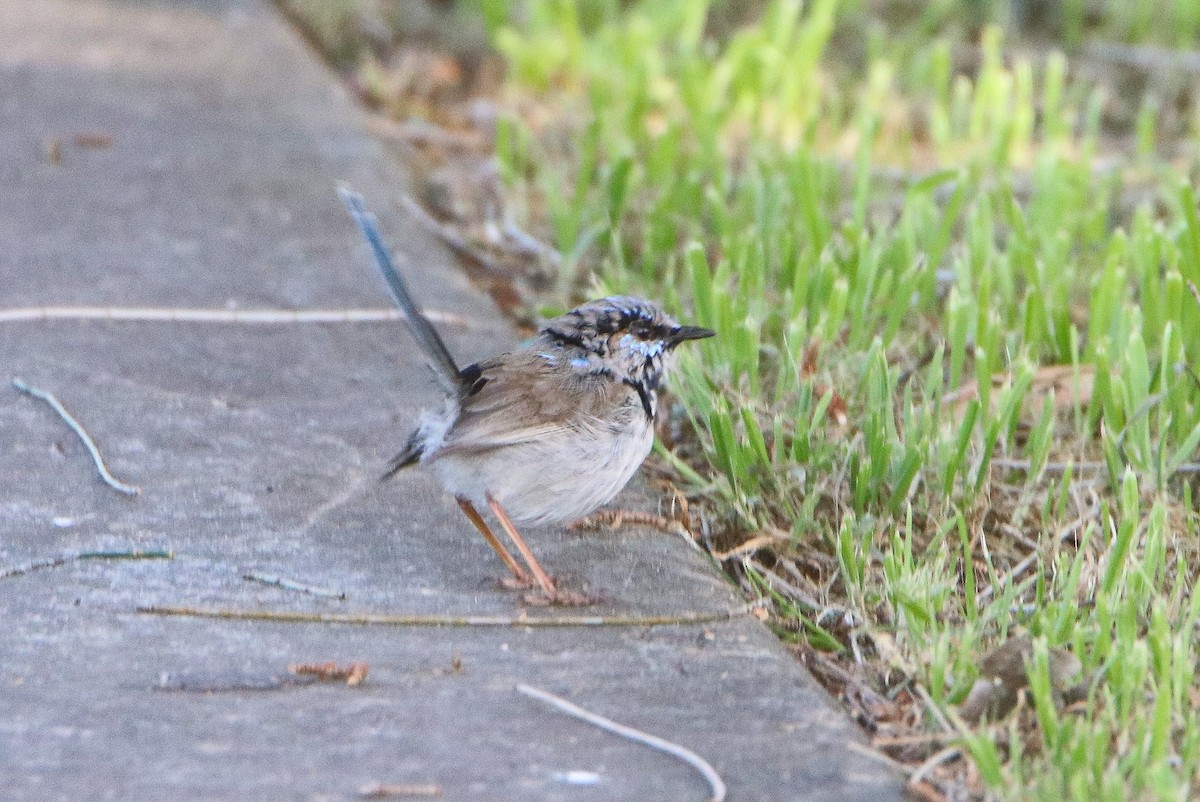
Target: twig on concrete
77,427
637,736
63,559
181,315
289,584
381,619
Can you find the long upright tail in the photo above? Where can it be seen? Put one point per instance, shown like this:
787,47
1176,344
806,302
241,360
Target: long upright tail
426,335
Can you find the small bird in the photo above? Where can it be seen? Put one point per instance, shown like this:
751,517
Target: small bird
545,433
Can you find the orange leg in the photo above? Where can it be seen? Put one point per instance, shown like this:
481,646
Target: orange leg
539,573
469,510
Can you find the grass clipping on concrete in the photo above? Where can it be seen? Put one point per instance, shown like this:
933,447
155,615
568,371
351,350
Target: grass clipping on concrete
948,428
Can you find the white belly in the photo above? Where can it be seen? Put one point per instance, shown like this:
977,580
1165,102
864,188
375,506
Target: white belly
555,479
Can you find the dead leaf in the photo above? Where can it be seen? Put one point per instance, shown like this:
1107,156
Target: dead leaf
808,359
353,674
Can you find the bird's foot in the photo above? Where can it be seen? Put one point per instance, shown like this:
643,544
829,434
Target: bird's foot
524,582
539,596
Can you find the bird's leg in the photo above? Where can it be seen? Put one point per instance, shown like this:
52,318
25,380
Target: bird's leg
539,573
473,515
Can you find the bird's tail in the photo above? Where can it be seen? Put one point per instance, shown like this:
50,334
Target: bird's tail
431,343
411,455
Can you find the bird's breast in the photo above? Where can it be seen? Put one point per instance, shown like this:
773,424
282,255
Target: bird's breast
556,478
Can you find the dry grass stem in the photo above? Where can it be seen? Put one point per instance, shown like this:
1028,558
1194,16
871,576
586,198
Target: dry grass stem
1024,565
456,242
384,619
289,584
752,545
880,757
942,756
53,562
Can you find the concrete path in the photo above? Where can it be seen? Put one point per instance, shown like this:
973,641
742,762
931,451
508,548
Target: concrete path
256,448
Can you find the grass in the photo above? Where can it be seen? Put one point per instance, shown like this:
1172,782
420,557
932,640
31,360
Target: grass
953,385
949,256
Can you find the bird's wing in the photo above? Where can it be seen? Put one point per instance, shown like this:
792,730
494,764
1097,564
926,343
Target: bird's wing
521,399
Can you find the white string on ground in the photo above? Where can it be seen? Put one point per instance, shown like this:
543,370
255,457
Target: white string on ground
77,427
154,314
653,741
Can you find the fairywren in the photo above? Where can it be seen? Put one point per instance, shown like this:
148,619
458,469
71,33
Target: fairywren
547,432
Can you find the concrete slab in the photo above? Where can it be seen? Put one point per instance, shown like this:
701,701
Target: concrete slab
257,448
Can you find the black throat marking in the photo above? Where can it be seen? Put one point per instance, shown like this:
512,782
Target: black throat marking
645,395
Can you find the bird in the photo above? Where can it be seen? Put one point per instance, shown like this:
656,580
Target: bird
547,432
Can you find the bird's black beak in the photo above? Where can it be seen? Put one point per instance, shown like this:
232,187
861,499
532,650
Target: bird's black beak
689,333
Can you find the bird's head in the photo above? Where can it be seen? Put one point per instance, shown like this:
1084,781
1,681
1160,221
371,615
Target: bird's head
629,337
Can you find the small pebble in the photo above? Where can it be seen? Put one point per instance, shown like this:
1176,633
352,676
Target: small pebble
576,777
